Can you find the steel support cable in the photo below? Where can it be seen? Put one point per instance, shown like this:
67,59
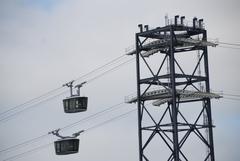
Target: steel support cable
73,124
231,98
90,80
110,70
28,152
30,101
229,47
227,94
30,107
93,116
216,40
24,143
54,90
101,67
227,43
112,119
87,130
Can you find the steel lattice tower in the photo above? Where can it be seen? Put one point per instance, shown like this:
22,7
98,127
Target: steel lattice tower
172,89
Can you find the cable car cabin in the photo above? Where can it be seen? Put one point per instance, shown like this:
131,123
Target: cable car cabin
66,146
75,104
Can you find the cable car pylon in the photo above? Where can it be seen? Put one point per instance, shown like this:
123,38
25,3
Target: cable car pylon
172,89
66,144
75,103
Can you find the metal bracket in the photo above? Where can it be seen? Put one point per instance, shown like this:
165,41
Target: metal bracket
74,135
70,85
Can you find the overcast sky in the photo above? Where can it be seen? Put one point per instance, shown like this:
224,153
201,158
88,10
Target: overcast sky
46,43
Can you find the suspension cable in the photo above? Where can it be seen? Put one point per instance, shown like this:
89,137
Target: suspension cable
101,67
112,119
30,101
24,143
87,130
227,43
30,107
28,152
110,70
109,109
229,47
92,79
93,116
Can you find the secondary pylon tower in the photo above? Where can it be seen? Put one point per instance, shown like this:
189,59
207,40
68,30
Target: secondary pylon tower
171,90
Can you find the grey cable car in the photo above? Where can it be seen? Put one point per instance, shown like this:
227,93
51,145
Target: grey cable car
66,144
75,103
